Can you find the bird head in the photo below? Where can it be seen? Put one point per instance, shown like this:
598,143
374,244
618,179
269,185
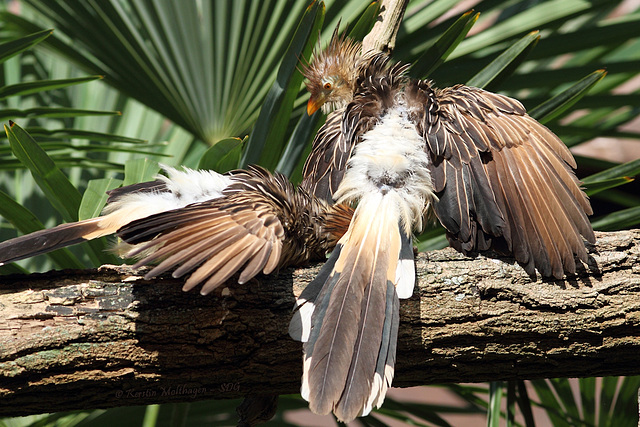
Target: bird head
332,74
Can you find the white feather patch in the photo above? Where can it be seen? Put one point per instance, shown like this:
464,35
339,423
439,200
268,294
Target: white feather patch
388,379
184,188
192,186
405,278
399,168
305,389
300,326
379,389
376,389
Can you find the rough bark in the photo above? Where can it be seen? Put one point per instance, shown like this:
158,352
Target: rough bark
80,339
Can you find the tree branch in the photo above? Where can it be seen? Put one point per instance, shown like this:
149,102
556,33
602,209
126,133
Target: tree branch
382,37
80,339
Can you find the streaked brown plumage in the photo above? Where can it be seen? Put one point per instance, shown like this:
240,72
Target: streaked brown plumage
261,223
482,147
504,181
251,221
330,77
495,178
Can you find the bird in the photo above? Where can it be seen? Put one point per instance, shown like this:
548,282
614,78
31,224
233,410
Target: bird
204,224
394,154
403,152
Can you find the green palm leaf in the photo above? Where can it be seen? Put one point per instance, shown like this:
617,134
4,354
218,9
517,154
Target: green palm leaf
276,110
55,185
14,47
207,65
560,103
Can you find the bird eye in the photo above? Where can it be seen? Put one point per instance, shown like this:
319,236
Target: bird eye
327,85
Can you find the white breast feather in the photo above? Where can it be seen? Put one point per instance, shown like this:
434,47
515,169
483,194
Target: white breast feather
392,151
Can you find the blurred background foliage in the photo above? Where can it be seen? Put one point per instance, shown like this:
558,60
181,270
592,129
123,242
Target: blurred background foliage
119,86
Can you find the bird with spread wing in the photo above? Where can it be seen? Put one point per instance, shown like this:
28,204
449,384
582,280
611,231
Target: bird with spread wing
399,150
205,225
392,152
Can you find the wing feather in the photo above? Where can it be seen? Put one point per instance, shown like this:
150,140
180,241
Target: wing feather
504,181
212,240
224,264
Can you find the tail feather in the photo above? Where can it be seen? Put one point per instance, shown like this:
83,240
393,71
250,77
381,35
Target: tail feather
333,345
387,356
354,318
300,326
312,313
357,392
406,271
47,240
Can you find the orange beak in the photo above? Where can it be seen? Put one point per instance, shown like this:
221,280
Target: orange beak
314,103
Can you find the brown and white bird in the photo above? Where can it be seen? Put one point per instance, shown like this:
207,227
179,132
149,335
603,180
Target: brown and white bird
397,149
205,224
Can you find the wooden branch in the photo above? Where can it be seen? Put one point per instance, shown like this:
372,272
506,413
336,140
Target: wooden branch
382,37
81,339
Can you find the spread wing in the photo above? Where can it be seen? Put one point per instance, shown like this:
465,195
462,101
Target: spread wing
504,181
211,240
260,222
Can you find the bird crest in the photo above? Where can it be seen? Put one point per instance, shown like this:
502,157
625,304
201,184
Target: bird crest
330,75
